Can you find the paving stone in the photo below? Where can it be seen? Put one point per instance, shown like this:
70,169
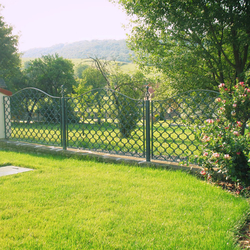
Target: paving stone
9,170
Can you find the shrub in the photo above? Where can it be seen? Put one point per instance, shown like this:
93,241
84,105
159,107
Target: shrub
225,139
128,114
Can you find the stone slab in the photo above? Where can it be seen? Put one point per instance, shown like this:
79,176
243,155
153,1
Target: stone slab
8,170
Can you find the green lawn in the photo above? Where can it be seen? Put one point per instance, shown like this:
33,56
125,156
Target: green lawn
75,204
177,141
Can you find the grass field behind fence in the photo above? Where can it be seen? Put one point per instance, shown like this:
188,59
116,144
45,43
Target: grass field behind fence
168,139
78,204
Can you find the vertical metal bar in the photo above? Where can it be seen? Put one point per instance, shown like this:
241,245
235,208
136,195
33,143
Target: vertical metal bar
63,121
7,116
66,121
4,114
147,126
144,138
152,129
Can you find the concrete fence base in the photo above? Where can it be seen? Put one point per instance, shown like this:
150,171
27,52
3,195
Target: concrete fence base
90,155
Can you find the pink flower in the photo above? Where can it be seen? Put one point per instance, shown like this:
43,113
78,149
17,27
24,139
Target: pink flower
204,138
234,105
218,99
227,156
221,85
238,153
205,154
236,133
223,101
203,172
216,155
226,127
248,90
241,83
239,124
226,89
210,121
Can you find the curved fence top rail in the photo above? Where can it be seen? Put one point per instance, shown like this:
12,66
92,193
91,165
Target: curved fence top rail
114,91
39,90
68,97
105,89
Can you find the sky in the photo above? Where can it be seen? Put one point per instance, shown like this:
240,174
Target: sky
44,23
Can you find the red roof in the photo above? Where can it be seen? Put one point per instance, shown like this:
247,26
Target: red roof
5,92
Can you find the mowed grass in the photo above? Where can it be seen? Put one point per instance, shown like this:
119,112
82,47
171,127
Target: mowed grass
167,139
78,204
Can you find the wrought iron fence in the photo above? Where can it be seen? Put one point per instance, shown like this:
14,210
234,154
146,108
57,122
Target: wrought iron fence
107,121
172,137
32,115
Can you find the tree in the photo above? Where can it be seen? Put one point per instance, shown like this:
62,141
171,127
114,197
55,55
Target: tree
132,85
79,69
128,107
9,56
92,79
197,43
49,73
132,88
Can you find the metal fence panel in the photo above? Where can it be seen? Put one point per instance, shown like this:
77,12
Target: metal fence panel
106,121
33,116
172,137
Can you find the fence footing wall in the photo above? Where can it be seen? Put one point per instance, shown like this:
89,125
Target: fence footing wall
88,155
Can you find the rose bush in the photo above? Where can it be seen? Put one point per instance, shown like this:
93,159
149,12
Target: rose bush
225,138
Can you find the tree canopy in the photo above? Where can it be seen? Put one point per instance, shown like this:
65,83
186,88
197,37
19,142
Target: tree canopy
49,73
9,56
194,42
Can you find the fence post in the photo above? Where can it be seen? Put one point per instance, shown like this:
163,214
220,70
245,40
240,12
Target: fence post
147,125
64,144
4,92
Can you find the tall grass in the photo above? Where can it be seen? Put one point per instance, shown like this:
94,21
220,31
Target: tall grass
72,204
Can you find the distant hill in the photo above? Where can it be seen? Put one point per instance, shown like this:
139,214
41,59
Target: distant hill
106,49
